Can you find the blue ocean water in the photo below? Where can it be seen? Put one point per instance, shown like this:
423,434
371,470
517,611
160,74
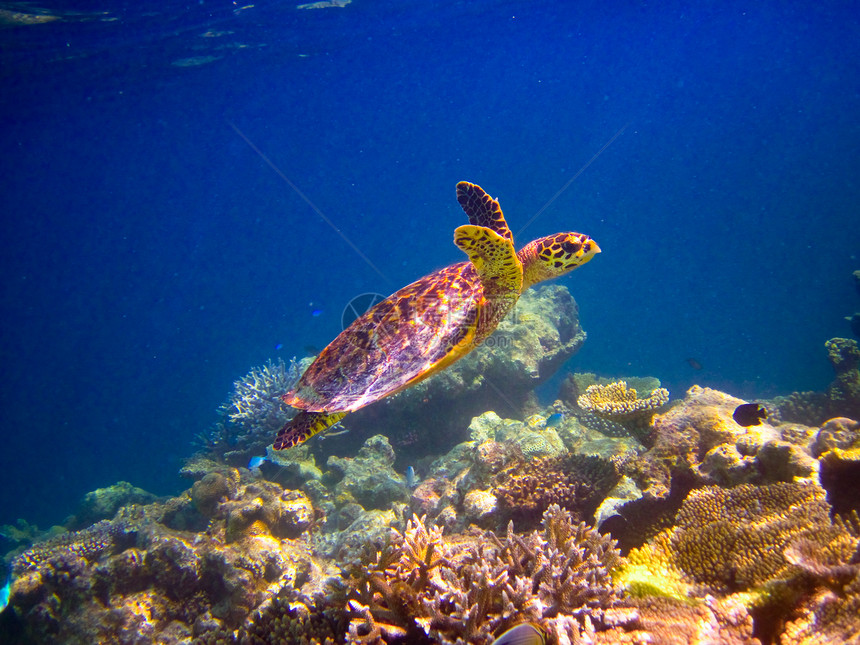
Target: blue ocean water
154,250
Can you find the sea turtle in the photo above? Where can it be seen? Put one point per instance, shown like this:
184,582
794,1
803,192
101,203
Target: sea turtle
433,322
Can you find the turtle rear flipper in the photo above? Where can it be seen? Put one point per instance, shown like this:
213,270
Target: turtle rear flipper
303,426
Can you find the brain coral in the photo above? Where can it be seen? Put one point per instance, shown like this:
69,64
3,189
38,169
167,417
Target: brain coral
575,482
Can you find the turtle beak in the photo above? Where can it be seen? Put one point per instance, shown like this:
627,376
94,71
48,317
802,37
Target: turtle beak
591,247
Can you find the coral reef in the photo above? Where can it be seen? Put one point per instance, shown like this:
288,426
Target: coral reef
773,548
707,531
134,579
368,478
842,398
103,503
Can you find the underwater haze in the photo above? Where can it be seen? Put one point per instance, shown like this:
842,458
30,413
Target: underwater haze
191,189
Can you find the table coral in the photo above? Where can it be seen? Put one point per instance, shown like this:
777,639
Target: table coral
89,544
618,400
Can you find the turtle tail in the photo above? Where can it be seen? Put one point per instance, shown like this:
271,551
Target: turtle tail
303,426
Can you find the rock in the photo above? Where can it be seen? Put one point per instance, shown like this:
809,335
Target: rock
103,503
369,478
480,506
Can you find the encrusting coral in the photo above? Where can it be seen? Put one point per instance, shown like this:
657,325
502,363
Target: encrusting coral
136,579
769,546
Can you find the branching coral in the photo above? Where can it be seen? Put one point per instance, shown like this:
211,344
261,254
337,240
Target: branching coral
617,400
254,409
423,587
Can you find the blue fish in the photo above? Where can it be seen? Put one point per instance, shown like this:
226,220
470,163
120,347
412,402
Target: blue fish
410,477
523,634
317,312
554,420
5,592
278,346
256,462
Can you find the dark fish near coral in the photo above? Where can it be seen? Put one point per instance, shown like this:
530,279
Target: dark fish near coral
696,365
749,414
411,481
523,634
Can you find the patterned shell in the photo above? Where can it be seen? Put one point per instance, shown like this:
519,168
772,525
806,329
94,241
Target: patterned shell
425,326
415,332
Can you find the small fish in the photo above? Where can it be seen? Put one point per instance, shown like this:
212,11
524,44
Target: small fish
554,420
278,346
410,477
523,634
696,365
317,312
327,435
5,592
256,462
749,414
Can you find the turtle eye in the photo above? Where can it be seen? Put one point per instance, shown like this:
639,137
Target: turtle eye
571,248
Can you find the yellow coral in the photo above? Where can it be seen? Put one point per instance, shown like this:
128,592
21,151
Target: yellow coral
616,399
649,571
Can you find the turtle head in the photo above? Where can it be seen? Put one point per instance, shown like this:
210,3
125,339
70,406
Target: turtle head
554,255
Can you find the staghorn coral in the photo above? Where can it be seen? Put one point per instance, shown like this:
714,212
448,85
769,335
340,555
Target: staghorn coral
617,400
424,588
255,402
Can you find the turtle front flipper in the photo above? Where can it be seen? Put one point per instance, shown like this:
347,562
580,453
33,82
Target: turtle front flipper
303,426
482,209
500,270
494,258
